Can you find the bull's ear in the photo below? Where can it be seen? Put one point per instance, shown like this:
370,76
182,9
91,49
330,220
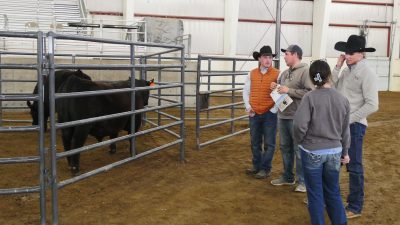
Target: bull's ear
29,104
150,83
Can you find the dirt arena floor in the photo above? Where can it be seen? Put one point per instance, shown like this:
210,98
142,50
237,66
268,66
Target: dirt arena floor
210,187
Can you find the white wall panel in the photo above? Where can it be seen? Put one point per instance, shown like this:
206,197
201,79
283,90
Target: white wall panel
377,38
249,34
300,11
297,34
213,8
356,14
370,1
207,36
104,5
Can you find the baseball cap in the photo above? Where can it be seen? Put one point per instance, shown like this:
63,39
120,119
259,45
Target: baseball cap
294,48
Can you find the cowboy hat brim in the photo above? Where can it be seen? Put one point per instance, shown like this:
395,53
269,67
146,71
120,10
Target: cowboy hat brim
343,47
257,55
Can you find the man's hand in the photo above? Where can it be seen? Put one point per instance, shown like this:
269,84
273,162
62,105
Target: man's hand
251,112
273,85
340,60
283,89
345,159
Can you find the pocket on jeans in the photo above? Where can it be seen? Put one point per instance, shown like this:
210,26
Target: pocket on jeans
314,158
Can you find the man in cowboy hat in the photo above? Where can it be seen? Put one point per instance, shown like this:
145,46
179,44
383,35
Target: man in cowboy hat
258,102
358,83
295,82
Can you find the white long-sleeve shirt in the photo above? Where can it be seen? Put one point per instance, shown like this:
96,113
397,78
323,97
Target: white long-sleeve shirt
247,88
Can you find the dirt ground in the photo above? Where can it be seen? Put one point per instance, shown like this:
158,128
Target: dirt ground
210,187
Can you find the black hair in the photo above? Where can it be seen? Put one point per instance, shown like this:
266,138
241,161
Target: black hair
320,72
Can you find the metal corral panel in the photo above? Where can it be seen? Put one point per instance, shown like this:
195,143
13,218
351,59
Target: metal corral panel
356,13
195,8
249,34
377,38
300,11
207,36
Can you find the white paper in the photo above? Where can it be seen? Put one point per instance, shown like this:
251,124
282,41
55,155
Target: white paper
282,101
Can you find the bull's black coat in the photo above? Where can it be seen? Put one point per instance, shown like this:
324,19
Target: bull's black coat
77,108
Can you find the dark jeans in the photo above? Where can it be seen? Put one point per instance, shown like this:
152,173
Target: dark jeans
321,175
355,199
263,127
290,151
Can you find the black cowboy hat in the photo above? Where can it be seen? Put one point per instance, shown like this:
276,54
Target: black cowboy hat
265,50
354,43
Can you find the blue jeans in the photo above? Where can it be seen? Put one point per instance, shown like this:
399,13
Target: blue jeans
321,174
263,126
289,150
355,199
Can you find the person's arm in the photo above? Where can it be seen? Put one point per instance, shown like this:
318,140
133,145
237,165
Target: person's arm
336,69
246,93
305,83
370,94
302,120
346,140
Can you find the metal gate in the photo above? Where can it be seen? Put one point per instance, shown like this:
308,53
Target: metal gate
40,157
229,90
136,63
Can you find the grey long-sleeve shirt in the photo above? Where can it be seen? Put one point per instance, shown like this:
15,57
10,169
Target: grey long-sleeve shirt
359,85
322,120
298,81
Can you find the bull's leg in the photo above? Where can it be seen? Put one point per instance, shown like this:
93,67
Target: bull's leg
138,121
66,135
113,146
78,140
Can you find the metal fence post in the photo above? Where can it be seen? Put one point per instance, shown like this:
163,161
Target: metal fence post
53,131
198,101
233,96
42,160
182,133
133,96
159,90
1,102
209,83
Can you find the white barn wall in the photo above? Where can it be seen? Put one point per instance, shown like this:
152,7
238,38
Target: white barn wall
104,5
195,8
207,36
357,13
249,34
291,11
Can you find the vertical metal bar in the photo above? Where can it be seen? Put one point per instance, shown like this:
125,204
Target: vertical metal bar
182,134
1,102
143,75
278,32
233,96
159,92
53,134
209,84
198,102
73,59
42,160
133,96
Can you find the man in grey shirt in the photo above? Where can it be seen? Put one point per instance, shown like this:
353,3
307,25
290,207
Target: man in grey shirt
295,82
358,84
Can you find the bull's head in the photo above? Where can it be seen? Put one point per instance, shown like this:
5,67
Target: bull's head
34,110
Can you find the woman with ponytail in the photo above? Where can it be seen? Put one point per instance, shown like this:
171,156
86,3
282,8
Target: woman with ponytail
321,127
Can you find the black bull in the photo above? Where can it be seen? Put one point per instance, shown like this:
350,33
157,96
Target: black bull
70,109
